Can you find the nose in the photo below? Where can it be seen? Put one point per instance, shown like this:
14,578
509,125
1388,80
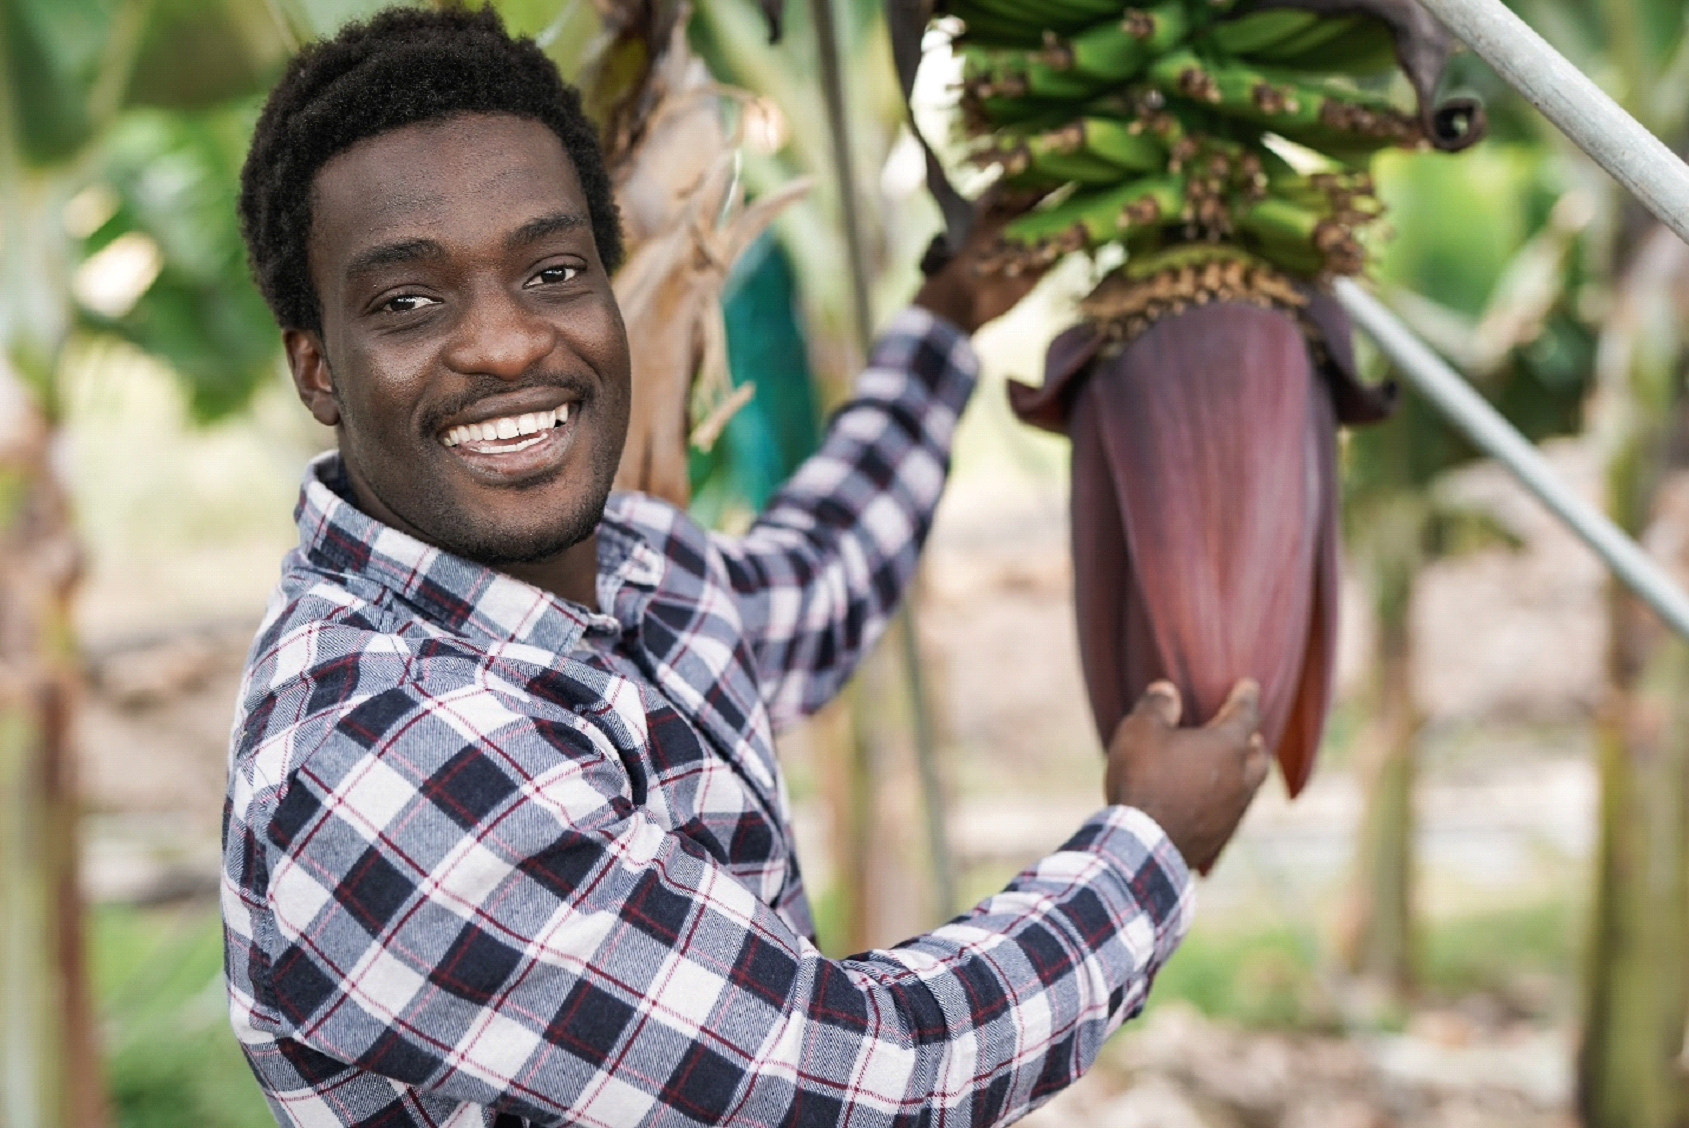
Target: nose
499,335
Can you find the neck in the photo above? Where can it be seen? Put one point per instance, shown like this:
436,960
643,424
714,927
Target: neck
572,574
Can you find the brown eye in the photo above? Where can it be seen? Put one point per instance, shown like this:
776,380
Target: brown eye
554,275
406,303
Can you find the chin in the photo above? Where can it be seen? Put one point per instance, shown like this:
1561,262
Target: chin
500,548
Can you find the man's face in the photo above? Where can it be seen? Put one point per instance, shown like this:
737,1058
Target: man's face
471,355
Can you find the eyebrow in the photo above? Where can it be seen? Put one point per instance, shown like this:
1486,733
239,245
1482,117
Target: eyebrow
390,254
536,229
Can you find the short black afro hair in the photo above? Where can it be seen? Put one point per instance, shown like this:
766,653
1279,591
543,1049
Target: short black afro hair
403,66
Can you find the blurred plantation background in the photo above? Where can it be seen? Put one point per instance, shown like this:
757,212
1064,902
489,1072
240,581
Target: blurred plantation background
1476,914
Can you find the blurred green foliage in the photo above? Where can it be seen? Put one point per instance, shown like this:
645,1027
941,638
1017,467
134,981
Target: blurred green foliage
171,1059
111,137
1523,956
780,425
178,173
1488,270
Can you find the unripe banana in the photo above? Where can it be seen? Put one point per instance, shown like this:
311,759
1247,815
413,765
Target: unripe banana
1092,218
1116,51
1011,72
1317,34
1305,240
1312,113
1136,150
1011,23
1092,151
1254,32
1362,46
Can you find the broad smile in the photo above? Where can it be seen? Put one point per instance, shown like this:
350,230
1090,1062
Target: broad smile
519,447
508,433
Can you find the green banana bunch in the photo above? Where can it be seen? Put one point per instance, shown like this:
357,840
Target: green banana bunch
1179,103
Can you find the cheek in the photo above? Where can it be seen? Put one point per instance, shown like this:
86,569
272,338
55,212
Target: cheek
382,390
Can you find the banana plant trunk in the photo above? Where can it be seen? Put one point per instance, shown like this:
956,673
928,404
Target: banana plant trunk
47,1039
1630,1067
1378,933
1631,1064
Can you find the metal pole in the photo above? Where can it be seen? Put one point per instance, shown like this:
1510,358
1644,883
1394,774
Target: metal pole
1494,435
1583,111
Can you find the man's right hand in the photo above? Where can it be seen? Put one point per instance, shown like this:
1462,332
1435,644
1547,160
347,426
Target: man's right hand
1195,782
973,286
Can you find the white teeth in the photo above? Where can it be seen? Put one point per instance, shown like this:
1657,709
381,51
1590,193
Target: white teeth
509,427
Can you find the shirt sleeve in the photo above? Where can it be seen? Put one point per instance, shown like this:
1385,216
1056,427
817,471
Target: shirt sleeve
824,566
463,898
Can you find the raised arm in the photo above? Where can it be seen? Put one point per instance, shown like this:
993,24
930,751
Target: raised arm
823,568
825,565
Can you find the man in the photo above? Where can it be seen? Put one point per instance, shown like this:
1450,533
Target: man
506,841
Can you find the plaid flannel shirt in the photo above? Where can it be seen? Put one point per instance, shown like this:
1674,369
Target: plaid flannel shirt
476,874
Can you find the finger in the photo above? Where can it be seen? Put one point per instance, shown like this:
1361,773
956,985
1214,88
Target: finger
1241,714
1257,762
1160,702
999,205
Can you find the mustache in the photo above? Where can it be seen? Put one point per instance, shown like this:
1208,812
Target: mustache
578,387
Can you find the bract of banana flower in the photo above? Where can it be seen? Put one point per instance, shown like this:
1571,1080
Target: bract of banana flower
1204,499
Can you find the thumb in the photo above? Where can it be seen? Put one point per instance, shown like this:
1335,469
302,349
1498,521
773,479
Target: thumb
1160,703
1257,762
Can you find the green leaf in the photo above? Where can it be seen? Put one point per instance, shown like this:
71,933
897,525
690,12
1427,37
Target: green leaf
1478,236
235,47
52,51
175,176
316,19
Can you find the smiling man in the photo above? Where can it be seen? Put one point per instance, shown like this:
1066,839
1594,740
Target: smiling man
507,841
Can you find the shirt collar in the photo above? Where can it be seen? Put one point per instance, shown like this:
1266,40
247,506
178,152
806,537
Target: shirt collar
459,595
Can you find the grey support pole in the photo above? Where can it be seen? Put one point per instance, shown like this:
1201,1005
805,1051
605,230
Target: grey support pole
1581,109
1638,160
1494,435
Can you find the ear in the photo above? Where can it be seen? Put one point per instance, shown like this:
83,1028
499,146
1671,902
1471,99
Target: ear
311,376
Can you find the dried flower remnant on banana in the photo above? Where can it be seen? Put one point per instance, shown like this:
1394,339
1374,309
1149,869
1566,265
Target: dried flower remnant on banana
1205,380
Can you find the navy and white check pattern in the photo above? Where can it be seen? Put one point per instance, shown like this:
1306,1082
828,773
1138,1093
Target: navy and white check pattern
495,859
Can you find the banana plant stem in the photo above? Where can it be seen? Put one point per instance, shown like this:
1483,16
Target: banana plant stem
1493,434
1582,110
908,638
